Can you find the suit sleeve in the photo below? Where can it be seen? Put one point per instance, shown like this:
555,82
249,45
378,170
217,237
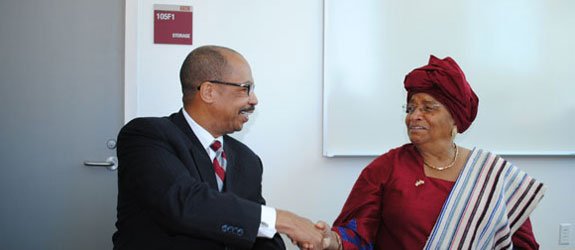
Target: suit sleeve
276,243
152,171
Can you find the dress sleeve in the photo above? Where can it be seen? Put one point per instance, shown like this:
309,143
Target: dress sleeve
523,238
359,219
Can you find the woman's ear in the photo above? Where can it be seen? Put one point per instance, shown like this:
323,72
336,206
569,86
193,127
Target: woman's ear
454,132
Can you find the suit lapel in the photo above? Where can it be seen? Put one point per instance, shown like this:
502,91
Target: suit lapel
233,170
201,159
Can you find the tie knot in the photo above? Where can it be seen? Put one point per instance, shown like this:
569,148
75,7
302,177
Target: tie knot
216,145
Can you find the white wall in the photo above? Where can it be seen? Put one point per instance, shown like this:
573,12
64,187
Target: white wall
508,50
282,40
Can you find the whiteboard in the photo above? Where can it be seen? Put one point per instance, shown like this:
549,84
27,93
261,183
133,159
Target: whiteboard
518,56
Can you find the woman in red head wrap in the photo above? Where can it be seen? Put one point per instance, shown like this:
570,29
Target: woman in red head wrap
432,193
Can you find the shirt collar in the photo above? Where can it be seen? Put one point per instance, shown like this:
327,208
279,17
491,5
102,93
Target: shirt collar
202,134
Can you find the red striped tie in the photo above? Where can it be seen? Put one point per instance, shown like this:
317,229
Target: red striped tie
218,161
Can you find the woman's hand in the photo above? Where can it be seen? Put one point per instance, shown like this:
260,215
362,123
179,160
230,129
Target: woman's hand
331,240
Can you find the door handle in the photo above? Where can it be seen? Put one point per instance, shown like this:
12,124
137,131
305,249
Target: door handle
111,163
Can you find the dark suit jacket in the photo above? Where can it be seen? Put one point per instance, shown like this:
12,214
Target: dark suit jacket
168,196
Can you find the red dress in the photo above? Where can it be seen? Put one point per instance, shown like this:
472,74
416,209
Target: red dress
387,210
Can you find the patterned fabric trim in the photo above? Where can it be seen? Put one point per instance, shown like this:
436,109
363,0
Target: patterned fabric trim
349,236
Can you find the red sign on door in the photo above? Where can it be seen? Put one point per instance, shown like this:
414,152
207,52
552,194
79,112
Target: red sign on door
173,24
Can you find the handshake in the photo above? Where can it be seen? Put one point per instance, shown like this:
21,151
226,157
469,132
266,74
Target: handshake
305,234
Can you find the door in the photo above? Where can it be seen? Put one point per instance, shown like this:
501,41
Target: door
61,92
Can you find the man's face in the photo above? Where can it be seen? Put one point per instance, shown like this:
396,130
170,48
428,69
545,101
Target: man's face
233,105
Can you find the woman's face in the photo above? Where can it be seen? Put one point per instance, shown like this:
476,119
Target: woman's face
427,120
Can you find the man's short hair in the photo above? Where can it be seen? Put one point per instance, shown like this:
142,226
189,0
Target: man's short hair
203,64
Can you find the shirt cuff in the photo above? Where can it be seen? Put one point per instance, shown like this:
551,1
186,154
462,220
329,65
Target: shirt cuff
268,223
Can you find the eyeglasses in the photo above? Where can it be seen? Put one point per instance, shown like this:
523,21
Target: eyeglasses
249,87
427,108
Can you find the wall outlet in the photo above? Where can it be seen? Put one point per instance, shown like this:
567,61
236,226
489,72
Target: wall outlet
565,233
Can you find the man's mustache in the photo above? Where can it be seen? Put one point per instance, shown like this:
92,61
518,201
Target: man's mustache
251,108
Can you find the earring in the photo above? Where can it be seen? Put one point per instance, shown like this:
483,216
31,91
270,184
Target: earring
453,132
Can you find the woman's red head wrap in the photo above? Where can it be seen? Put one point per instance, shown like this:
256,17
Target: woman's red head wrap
445,81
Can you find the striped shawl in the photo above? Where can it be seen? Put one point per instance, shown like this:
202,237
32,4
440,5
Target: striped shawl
489,202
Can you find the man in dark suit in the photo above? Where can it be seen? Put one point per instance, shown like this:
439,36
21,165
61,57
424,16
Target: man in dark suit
178,191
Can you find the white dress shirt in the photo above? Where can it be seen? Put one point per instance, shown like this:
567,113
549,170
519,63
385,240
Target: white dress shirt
267,227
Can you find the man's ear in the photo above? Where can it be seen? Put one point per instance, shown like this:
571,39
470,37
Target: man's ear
207,92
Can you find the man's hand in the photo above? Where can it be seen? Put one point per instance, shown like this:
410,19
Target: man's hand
300,230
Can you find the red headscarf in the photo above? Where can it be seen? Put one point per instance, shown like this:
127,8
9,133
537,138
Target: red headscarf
445,81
